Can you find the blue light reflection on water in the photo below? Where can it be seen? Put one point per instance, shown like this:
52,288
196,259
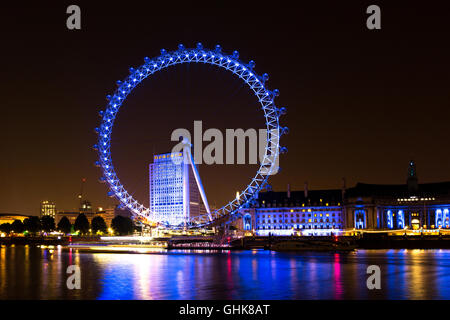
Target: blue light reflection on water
34,273
274,275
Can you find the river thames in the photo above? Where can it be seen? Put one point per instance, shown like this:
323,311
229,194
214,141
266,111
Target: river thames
31,272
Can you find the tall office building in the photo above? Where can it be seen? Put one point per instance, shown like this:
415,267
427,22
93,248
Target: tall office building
175,189
48,208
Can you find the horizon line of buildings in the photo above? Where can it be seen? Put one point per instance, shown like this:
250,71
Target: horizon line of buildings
364,206
49,208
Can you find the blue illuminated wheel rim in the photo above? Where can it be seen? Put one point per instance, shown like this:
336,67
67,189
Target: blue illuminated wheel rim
230,211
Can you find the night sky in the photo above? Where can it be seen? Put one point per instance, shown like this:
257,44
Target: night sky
360,103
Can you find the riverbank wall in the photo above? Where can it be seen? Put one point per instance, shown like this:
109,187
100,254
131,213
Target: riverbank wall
364,241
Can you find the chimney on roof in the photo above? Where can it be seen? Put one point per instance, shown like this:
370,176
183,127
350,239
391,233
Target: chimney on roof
289,190
306,189
412,181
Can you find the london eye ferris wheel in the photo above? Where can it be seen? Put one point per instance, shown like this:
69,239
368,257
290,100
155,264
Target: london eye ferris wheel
245,71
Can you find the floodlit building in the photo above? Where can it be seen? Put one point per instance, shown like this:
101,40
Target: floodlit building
107,214
48,208
86,206
72,216
176,192
309,212
412,205
10,217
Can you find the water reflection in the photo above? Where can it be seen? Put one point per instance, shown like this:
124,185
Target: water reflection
337,281
29,272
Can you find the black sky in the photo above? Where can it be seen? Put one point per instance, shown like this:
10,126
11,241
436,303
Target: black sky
360,103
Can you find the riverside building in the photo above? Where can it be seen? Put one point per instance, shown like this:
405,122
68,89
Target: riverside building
176,192
365,206
48,208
